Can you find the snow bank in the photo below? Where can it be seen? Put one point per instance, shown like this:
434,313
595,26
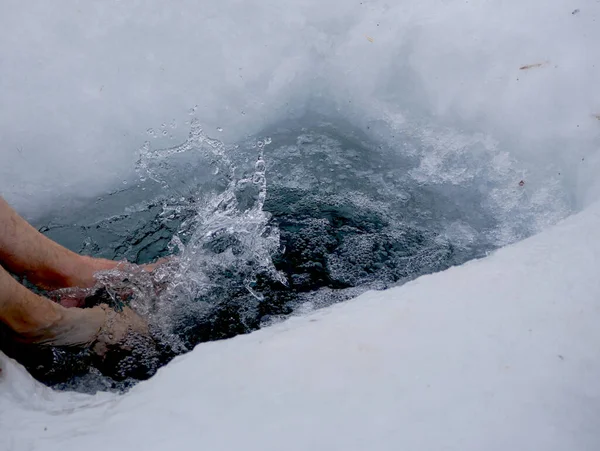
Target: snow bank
84,84
497,354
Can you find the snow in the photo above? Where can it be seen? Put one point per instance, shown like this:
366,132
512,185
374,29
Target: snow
497,354
83,82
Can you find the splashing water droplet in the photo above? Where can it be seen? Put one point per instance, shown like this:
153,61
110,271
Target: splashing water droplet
260,165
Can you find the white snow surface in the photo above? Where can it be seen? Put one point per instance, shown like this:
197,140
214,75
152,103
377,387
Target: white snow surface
498,354
84,84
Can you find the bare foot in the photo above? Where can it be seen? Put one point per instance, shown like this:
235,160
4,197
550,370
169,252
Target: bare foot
84,274
120,343
59,326
150,267
118,328
99,328
124,347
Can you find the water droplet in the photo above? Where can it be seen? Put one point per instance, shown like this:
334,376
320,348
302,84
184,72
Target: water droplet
150,131
173,124
164,133
163,125
260,144
219,129
124,182
260,166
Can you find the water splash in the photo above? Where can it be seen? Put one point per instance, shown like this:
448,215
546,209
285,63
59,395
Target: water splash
227,243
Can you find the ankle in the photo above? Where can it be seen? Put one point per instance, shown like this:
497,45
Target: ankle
83,270
67,327
34,315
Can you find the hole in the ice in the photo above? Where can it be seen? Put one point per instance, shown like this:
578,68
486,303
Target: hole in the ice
315,214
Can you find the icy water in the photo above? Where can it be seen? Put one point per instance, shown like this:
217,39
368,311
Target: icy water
305,215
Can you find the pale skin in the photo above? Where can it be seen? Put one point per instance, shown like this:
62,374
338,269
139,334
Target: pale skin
35,319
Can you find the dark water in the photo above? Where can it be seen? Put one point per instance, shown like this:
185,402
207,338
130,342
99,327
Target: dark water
344,214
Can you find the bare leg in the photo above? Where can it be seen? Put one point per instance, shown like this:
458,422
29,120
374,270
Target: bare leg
38,320
26,252
35,319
